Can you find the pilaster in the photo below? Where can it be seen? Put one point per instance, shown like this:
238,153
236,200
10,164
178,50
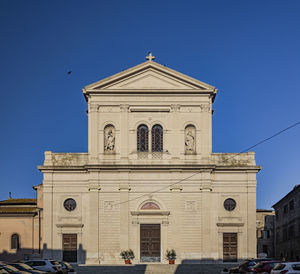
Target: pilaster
124,188
176,138
93,244
124,133
93,132
175,213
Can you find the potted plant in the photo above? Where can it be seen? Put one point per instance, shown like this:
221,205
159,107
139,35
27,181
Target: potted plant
171,256
127,255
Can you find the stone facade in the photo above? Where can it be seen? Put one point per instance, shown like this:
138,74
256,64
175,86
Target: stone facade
265,232
21,228
150,162
287,226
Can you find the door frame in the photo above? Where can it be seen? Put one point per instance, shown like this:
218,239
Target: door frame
237,255
62,241
160,240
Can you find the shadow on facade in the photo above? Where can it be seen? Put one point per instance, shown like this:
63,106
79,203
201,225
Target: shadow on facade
204,266
187,266
23,254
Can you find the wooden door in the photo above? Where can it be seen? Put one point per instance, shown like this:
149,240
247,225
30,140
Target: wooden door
70,247
229,247
150,242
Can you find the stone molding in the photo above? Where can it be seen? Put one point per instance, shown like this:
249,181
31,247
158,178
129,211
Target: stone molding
150,212
69,225
230,224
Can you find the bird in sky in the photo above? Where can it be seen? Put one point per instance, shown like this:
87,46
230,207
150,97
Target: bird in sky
69,72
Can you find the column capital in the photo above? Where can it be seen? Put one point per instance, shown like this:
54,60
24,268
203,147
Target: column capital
124,107
93,107
175,107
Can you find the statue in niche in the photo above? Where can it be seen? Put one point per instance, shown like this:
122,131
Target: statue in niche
190,140
109,145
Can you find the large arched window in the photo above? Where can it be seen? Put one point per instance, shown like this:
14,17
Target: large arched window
157,138
142,138
15,241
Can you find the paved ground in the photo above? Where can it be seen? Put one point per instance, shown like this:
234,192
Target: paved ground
154,269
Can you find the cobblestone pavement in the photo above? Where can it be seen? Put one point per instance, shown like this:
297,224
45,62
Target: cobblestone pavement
154,269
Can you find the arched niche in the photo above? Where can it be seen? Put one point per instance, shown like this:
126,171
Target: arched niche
190,139
109,139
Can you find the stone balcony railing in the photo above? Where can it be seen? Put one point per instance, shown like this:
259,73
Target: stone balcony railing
219,159
233,159
65,159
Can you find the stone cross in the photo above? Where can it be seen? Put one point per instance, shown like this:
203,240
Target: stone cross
150,57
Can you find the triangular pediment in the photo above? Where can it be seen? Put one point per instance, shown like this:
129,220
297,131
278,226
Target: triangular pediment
150,80
149,76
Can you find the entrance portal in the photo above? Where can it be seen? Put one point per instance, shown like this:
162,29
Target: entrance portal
150,243
70,247
229,247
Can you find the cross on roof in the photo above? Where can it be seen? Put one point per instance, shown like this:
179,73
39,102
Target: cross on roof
150,57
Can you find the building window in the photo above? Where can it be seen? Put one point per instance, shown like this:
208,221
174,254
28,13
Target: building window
291,232
277,237
15,241
142,138
69,204
157,138
284,234
277,214
150,205
265,249
292,206
285,209
265,234
229,204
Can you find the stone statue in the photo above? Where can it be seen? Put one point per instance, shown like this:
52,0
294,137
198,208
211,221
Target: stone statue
189,141
110,141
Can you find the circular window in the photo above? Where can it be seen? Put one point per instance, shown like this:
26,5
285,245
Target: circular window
229,204
69,204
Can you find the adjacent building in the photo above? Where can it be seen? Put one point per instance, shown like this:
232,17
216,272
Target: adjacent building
287,225
265,232
149,181
21,228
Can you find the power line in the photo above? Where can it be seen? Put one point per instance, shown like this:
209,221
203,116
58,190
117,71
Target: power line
224,160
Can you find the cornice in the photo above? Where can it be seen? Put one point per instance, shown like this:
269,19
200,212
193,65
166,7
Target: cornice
167,167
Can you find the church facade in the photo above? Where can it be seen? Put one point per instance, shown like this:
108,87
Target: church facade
149,181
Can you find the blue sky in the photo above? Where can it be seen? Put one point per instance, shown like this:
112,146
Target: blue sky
249,50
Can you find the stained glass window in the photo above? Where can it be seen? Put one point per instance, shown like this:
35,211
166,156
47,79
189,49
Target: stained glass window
142,138
157,138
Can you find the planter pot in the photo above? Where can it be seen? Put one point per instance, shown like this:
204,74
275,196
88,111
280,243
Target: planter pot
127,261
171,261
